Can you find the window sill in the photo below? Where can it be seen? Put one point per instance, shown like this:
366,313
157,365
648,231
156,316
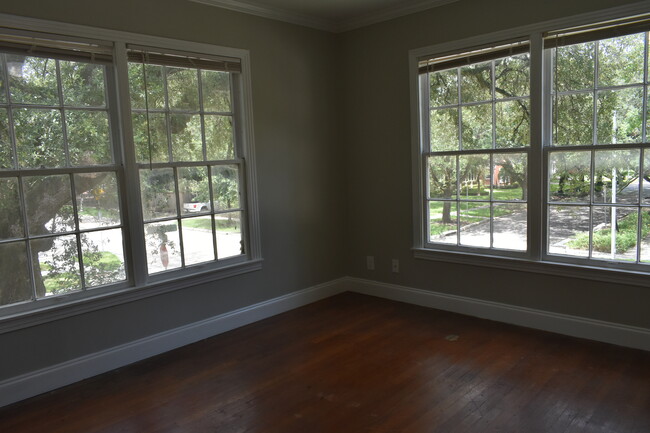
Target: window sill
594,273
71,305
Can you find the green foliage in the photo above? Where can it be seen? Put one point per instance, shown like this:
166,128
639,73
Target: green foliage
626,235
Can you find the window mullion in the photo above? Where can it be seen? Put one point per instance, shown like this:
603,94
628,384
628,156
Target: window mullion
133,209
536,204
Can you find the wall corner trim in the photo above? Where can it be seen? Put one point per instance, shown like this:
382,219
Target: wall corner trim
47,379
574,326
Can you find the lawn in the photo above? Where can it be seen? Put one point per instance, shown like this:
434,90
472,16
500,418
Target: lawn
625,236
222,225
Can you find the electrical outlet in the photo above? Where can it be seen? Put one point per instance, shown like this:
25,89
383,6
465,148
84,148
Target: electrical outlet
395,265
370,263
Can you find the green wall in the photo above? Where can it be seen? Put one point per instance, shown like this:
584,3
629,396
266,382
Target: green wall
375,129
332,130
299,194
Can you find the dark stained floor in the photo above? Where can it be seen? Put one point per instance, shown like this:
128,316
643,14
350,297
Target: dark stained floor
357,364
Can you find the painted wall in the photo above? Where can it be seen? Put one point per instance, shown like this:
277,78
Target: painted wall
376,135
334,168
296,147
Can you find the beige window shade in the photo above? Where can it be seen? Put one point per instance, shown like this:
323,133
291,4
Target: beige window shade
467,58
605,30
60,47
182,60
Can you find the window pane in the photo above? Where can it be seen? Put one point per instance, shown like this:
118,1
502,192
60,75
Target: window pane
443,87
88,138
187,144
103,257
97,200
198,244
510,176
444,129
568,230
193,189
216,91
512,76
83,84
225,187
510,224
474,177
645,195
624,237
39,138
569,176
573,119
32,80
15,284
183,89
163,246
228,232
476,82
645,243
616,176
218,137
442,176
158,193
48,201
477,127
442,222
620,116
155,86
3,81
512,123
11,216
475,224
6,154
574,67
157,148
620,60
58,265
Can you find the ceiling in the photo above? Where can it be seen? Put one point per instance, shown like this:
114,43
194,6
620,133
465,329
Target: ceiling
330,15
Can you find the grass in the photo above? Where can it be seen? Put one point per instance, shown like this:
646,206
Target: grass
478,212
59,282
222,225
625,237
94,212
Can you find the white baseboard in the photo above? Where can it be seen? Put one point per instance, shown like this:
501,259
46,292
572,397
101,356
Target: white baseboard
47,379
607,332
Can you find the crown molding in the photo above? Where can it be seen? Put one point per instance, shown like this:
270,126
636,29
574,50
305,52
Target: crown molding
388,13
330,25
273,13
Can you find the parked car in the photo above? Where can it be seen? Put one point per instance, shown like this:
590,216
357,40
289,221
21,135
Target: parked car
196,207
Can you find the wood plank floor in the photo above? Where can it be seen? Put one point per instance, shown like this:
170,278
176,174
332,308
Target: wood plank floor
355,363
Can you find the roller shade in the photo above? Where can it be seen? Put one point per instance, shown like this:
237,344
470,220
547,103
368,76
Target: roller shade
477,56
182,59
604,30
56,46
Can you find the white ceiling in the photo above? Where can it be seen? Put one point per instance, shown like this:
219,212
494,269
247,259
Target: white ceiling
331,15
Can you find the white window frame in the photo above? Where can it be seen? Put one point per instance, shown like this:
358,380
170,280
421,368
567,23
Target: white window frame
535,260
139,284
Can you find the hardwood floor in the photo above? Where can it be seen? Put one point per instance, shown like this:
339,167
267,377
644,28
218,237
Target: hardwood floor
354,363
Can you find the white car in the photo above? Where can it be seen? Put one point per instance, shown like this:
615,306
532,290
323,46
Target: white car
196,207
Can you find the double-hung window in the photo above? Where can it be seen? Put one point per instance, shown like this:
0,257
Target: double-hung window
538,148
121,166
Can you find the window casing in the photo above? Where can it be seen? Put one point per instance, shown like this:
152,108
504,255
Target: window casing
82,185
587,134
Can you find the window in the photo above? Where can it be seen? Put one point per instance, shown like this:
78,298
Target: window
99,192
477,118
482,135
188,159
